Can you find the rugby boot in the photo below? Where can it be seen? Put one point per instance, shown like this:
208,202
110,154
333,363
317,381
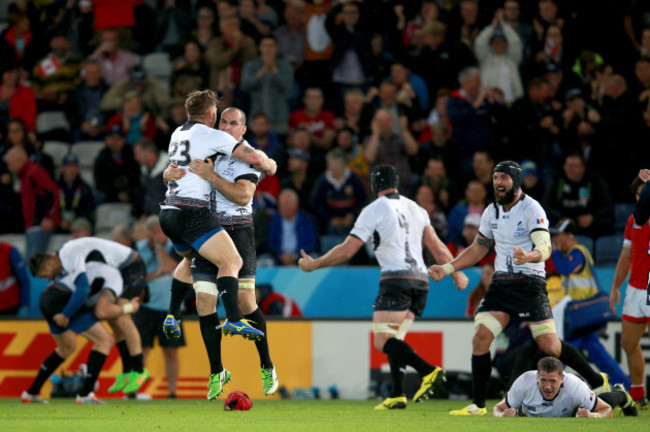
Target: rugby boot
428,382
629,409
172,327
216,383
121,380
469,410
30,398
606,387
90,399
136,380
398,402
269,381
242,328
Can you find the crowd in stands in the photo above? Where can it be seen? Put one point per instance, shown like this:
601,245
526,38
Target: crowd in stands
439,88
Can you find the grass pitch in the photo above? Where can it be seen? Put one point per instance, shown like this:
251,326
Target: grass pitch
279,415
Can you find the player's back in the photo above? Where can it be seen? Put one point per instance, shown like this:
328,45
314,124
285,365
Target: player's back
189,142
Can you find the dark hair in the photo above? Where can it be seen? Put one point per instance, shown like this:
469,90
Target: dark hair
635,184
36,262
550,364
147,144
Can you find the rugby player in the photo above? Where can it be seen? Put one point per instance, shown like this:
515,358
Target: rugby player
518,227
72,259
397,227
100,304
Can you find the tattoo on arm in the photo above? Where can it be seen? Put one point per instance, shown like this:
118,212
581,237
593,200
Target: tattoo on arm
248,149
483,242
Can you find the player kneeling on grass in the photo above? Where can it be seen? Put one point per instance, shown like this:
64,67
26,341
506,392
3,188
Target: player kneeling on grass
549,392
101,303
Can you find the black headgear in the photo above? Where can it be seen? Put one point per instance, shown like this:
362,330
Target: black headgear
511,168
384,177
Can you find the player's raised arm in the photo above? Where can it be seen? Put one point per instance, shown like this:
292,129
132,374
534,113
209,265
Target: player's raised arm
258,159
442,254
240,192
470,256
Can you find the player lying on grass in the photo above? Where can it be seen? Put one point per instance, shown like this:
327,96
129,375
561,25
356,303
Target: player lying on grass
100,304
549,392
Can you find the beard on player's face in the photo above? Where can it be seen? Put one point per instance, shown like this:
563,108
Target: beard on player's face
504,198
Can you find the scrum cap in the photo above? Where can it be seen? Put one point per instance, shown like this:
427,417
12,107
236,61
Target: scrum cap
511,168
384,177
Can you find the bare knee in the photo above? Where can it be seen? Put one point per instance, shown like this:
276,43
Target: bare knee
550,344
246,304
381,339
66,349
482,340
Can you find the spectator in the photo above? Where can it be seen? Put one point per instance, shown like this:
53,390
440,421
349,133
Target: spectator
577,111
191,71
499,53
477,294
429,12
438,147
19,136
123,234
290,36
56,75
582,197
351,115
85,114
10,207
482,166
273,303
117,174
530,181
249,11
338,196
386,97
379,61
298,178
413,91
173,117
227,54
435,176
16,100
154,98
173,25
552,50
39,194
602,72
15,282
134,120
346,141
318,121
269,81
114,62
470,108
474,203
345,26
301,139
512,16
290,231
260,136
426,199
151,191
384,146
464,26
75,195
575,264
438,115
18,44
81,227
157,252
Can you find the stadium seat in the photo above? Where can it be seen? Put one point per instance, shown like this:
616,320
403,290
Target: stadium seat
87,151
608,249
87,174
622,212
57,241
48,121
587,242
328,241
108,215
18,240
56,150
158,65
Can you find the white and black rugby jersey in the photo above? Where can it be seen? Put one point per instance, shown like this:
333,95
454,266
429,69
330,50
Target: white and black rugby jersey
232,169
112,279
512,229
526,397
396,226
75,254
189,142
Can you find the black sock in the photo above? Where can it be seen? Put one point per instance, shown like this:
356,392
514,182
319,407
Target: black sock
137,363
48,367
259,322
95,364
481,371
228,287
397,373
614,399
211,332
572,357
404,355
124,354
179,291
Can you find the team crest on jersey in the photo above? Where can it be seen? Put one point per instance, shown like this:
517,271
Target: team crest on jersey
521,230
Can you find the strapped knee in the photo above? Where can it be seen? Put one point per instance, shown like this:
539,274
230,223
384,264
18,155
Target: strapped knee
489,322
247,284
403,328
206,288
390,328
543,328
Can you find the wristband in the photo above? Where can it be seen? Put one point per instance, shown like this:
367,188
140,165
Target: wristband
127,309
448,268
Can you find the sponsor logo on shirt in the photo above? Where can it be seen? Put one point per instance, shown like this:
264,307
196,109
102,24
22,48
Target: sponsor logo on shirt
521,230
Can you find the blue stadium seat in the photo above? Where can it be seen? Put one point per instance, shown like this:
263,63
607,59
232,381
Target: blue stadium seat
587,242
608,249
622,212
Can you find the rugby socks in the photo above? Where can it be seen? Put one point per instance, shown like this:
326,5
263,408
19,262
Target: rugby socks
137,363
637,391
403,354
614,398
572,357
211,332
48,367
179,291
258,321
481,371
124,354
95,364
397,373
228,287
